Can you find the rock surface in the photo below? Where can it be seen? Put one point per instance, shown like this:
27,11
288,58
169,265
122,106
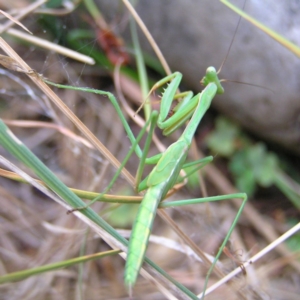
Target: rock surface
196,34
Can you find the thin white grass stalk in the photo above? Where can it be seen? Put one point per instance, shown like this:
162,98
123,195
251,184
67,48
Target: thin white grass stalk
171,244
51,46
61,230
253,259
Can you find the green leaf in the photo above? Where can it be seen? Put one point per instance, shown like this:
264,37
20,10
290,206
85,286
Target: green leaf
254,165
222,139
242,172
264,164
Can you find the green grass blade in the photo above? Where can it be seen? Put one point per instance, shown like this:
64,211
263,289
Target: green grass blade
144,84
16,276
277,37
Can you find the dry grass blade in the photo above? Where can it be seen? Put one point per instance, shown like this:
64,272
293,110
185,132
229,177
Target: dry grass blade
11,64
63,130
13,21
149,37
22,14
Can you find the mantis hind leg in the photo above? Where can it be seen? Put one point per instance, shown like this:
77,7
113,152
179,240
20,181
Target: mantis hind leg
242,196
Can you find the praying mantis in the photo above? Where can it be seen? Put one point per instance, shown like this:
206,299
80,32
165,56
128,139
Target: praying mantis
168,164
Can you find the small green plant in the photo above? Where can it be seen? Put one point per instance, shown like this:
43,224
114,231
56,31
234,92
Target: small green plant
251,164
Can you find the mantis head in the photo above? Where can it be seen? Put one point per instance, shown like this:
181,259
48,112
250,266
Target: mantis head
211,76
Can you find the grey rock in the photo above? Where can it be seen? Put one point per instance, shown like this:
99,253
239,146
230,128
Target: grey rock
195,34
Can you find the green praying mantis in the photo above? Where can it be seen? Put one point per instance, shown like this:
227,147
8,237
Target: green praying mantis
167,165
165,174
